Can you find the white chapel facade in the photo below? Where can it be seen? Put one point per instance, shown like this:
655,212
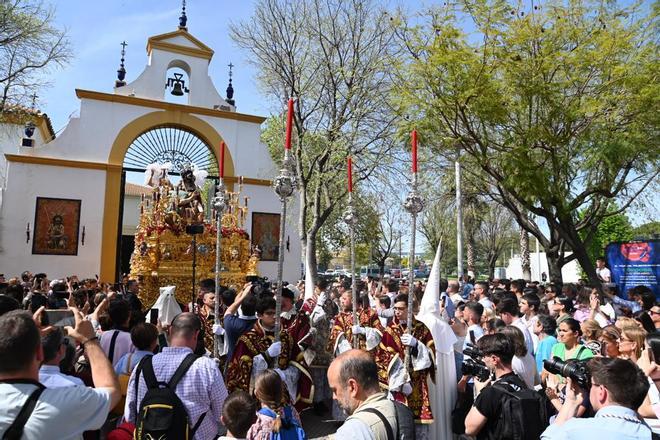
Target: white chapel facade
87,161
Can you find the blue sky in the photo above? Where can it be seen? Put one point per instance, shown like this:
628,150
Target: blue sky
96,29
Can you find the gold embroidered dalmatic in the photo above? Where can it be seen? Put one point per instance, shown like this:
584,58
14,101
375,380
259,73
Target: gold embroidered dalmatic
389,350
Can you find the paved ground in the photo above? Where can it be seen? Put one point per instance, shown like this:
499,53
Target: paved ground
318,426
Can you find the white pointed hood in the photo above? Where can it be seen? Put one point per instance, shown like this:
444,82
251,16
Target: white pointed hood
166,304
442,392
429,310
431,299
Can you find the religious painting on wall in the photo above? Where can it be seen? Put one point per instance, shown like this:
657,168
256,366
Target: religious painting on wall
56,224
266,234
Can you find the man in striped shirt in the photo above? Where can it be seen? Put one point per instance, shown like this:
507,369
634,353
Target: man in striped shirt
202,389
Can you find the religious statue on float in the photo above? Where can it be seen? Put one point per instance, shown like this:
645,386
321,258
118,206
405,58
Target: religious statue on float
164,250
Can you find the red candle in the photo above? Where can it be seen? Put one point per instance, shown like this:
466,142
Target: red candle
289,122
222,159
350,174
414,151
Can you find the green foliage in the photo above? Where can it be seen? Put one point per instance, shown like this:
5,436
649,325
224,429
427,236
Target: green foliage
647,230
557,106
30,47
614,228
333,57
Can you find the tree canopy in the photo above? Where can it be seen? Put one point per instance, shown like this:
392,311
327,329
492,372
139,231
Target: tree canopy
555,105
333,58
30,45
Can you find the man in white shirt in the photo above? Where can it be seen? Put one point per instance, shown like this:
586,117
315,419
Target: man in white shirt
59,413
481,291
453,292
529,308
618,389
472,314
54,347
509,312
603,273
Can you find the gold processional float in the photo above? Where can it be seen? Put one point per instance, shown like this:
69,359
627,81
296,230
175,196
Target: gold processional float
163,254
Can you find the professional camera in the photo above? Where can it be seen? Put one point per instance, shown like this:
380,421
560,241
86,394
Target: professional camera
260,285
474,366
577,370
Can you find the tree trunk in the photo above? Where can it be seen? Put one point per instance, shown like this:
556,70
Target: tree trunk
524,255
554,265
492,261
579,248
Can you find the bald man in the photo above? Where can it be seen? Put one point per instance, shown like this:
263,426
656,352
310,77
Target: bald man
353,379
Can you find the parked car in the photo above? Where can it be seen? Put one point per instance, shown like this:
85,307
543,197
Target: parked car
372,272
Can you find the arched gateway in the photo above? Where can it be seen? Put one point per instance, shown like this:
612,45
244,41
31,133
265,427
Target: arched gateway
81,175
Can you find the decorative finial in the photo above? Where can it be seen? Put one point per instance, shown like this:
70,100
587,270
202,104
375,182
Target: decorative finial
121,72
183,19
34,101
230,87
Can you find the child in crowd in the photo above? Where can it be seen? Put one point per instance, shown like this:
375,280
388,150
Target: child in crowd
238,415
273,416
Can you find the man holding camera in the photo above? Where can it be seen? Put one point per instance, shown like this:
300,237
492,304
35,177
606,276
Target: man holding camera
483,421
618,388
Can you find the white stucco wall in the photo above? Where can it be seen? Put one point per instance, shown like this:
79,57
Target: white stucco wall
131,216
570,273
27,182
11,136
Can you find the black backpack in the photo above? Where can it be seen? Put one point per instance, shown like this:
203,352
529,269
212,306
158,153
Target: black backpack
523,414
162,415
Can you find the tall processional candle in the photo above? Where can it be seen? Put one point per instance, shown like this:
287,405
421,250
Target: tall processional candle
350,174
222,159
414,151
289,123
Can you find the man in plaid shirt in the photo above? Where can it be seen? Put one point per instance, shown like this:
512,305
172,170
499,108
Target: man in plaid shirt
202,389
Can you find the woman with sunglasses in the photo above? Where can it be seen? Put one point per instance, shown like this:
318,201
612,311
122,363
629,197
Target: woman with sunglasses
654,313
631,342
562,309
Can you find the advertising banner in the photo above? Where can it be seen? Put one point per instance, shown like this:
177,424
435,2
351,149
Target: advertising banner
633,263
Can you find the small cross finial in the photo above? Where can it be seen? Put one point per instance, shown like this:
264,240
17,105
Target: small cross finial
123,52
121,72
183,20
34,100
230,87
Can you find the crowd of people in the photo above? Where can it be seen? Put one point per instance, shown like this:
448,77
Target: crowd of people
80,358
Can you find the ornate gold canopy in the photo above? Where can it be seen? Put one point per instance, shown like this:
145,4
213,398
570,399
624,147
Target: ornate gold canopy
163,252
